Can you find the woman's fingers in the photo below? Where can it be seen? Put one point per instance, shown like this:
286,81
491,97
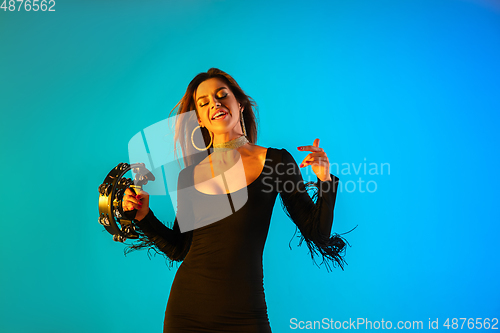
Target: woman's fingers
315,158
314,147
310,148
131,200
318,154
131,205
320,161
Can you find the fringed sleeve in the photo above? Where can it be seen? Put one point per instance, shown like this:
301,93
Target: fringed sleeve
154,235
166,240
313,216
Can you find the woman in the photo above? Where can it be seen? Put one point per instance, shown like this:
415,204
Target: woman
225,201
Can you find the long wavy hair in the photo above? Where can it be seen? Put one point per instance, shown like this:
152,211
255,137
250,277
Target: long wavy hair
185,124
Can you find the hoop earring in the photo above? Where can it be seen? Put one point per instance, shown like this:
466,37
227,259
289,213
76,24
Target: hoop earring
243,124
192,139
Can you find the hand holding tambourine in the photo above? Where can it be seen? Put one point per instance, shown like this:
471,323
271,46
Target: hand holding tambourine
139,201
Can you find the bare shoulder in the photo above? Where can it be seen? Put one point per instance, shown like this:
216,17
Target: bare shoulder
257,151
254,154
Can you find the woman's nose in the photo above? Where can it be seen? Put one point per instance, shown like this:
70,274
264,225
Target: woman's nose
215,103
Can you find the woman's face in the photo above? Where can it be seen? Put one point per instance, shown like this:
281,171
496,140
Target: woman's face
217,107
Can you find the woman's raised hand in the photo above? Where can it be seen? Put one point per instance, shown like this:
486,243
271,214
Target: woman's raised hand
139,201
318,160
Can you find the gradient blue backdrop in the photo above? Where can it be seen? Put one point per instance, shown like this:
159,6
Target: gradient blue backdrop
414,84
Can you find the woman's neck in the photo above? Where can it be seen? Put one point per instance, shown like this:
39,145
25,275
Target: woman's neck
226,137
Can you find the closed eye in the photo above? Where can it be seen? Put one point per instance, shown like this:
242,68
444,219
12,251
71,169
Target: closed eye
218,97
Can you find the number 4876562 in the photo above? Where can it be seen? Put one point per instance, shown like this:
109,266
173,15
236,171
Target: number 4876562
28,5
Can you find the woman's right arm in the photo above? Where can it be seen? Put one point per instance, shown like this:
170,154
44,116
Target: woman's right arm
154,234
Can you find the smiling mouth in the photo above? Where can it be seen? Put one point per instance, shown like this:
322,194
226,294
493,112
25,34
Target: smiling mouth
219,115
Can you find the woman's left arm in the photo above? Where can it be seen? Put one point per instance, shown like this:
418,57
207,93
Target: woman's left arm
313,219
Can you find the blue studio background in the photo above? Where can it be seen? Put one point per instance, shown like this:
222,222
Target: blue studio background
404,96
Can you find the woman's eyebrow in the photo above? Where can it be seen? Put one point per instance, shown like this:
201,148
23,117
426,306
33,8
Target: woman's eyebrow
216,91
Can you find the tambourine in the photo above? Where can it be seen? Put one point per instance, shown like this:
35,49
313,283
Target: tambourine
111,215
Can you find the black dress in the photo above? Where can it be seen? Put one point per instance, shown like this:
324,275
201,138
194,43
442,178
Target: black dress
219,285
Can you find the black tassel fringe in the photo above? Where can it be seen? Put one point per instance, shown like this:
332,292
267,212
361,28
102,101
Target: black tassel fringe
331,249
155,245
